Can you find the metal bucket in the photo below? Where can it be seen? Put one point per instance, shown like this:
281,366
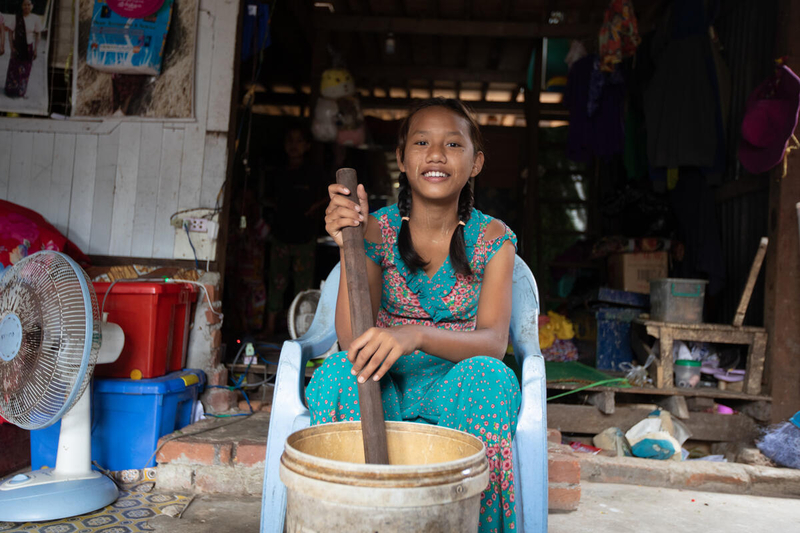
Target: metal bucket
677,300
433,482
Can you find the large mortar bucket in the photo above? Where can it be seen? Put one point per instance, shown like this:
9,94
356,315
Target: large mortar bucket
433,481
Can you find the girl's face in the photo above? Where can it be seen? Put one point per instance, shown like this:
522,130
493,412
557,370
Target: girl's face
439,156
27,7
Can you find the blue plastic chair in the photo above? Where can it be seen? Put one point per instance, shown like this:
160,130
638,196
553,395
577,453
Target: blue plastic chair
289,412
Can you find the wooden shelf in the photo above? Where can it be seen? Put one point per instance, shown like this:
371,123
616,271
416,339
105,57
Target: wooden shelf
265,370
705,392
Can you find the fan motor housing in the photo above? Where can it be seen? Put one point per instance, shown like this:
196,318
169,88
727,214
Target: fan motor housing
10,337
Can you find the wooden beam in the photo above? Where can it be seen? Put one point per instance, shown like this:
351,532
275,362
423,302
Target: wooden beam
755,268
604,401
586,419
392,73
782,306
115,260
675,405
741,187
471,28
548,111
531,215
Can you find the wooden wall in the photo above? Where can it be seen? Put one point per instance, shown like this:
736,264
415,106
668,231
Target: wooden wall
111,185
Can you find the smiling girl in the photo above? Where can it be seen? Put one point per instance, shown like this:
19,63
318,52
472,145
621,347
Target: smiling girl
440,274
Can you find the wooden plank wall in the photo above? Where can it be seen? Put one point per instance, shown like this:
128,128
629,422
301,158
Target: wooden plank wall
111,185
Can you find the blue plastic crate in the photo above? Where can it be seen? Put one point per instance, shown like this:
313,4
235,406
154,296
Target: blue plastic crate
128,418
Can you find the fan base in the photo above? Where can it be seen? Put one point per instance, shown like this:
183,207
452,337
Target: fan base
35,500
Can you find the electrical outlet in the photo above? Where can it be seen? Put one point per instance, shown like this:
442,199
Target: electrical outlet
197,224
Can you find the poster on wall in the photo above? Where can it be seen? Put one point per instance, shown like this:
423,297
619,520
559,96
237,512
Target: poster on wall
135,58
24,46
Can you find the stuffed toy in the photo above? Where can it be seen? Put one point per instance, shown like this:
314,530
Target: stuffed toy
323,126
338,113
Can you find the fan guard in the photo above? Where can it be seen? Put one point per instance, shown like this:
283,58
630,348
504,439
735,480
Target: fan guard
46,299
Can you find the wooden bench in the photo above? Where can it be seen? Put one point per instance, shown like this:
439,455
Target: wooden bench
668,332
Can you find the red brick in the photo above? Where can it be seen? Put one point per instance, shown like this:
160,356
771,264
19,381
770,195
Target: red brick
216,357
218,376
256,404
196,453
216,338
711,481
250,453
219,400
212,292
225,453
554,435
564,498
211,317
563,468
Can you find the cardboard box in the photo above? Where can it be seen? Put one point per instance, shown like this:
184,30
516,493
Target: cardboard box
633,272
128,45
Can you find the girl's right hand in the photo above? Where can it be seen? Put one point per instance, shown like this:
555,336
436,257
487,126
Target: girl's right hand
343,212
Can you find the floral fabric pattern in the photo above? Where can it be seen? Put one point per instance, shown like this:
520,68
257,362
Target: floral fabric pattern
479,395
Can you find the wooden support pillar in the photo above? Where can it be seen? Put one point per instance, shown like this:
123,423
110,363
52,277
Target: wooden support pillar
782,299
531,218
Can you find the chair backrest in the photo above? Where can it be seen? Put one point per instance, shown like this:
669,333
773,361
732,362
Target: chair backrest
524,330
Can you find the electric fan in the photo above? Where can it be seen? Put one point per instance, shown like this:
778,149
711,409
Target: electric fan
51,336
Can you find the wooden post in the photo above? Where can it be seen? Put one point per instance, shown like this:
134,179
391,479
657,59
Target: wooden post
782,303
531,217
373,426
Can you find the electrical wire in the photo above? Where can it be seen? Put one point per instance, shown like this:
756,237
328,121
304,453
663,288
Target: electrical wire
205,291
189,237
595,384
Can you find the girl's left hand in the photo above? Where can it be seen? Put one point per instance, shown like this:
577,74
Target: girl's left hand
34,54
378,349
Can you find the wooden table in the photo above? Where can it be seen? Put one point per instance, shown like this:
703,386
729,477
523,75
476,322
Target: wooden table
668,332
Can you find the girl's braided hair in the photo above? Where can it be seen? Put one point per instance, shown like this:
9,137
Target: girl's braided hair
458,250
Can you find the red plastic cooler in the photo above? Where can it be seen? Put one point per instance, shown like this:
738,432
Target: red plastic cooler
155,319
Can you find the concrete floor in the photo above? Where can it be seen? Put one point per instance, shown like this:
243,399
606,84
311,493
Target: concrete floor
604,508
612,508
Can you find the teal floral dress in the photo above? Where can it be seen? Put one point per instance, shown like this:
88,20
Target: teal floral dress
479,395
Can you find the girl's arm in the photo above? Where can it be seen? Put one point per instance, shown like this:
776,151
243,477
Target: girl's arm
380,348
35,44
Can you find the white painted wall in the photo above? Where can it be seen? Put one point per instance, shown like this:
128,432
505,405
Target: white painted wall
111,185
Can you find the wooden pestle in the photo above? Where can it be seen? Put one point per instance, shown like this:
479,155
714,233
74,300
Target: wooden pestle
373,426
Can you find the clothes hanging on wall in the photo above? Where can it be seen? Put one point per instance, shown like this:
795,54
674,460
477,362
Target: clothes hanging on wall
682,109
619,34
595,100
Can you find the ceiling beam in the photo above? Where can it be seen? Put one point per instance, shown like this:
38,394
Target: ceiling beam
548,111
474,28
439,73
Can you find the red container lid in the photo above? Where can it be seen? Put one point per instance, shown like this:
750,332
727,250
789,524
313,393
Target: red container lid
143,287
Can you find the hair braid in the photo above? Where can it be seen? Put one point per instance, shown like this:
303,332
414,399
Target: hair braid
404,242
458,248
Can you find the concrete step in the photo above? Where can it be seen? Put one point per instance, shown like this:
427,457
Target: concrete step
226,456
730,478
